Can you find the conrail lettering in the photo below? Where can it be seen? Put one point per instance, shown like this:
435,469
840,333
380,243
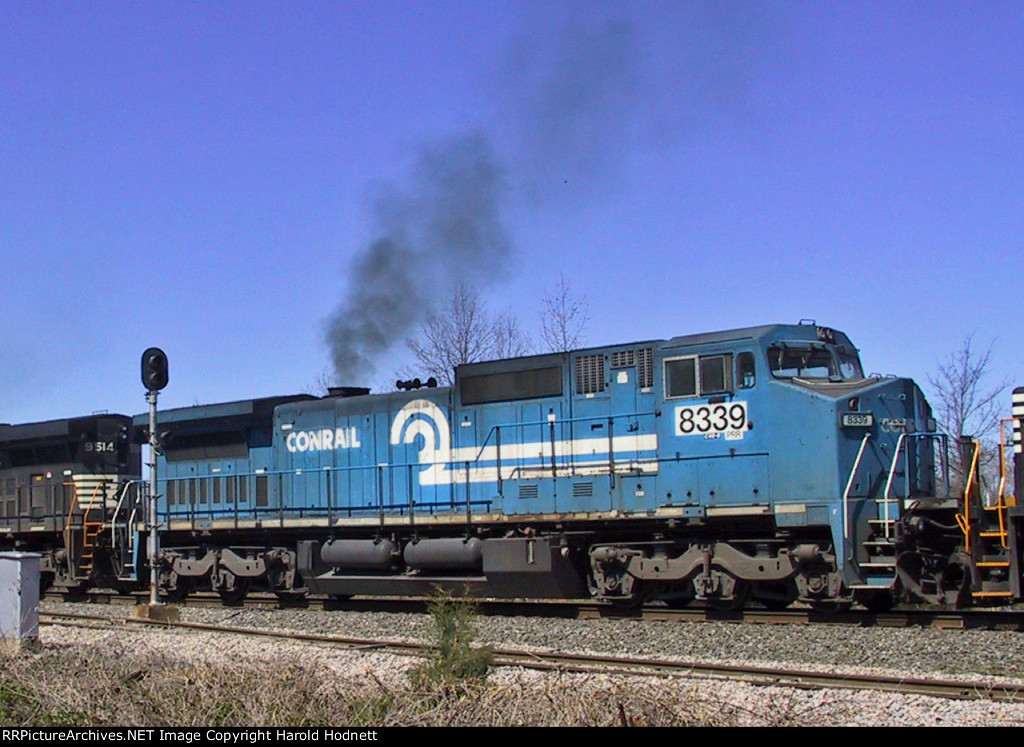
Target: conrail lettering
325,439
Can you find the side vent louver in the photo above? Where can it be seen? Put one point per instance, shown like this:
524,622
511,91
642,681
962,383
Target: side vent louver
583,490
528,491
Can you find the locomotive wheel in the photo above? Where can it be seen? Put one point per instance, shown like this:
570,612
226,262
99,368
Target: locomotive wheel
178,593
74,592
678,597
620,590
292,596
739,599
127,587
236,593
627,603
678,602
775,596
879,601
831,606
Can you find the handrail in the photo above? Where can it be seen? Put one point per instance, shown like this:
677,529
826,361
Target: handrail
547,422
888,483
849,486
971,475
1000,508
964,519
68,531
124,494
129,538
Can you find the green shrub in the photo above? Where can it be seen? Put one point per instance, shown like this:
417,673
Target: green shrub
454,664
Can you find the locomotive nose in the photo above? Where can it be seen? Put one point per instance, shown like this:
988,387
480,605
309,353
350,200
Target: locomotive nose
886,406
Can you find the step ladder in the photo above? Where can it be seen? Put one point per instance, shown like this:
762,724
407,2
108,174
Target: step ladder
90,531
878,570
80,539
986,533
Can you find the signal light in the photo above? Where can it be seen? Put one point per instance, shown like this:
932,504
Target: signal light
154,369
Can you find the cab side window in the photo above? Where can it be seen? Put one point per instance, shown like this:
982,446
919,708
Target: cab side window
681,377
696,376
715,374
745,373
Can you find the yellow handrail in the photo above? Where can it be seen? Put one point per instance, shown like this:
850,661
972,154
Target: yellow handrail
85,516
964,519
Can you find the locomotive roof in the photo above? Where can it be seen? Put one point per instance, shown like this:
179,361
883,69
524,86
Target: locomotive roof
808,331
792,331
260,408
48,429
221,417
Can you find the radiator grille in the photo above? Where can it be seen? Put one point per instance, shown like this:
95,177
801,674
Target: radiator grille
645,367
643,359
589,374
623,358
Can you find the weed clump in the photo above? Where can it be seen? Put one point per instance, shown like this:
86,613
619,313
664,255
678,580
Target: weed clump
455,664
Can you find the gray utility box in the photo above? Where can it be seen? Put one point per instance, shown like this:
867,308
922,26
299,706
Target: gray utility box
19,598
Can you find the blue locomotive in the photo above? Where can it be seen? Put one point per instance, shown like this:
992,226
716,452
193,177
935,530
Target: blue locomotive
751,464
757,464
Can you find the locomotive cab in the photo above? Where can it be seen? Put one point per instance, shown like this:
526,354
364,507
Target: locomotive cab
888,456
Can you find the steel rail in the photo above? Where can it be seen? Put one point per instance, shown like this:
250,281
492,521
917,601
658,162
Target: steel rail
998,618
998,691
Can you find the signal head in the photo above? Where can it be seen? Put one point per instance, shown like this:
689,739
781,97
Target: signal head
154,369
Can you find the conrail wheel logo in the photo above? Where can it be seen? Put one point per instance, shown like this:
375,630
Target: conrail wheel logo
424,427
897,425
422,418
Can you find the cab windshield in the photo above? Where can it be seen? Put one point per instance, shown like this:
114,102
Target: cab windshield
813,362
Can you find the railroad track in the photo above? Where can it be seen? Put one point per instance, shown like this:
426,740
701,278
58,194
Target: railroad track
972,619
1006,692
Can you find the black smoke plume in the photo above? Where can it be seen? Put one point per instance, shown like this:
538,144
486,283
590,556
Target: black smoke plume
574,98
443,228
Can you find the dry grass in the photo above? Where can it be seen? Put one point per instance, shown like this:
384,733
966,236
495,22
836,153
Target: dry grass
82,686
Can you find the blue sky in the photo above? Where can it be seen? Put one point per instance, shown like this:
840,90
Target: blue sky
208,177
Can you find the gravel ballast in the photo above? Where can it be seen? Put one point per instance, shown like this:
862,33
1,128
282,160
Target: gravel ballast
911,653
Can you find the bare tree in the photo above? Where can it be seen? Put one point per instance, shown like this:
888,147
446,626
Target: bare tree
509,341
564,318
966,405
464,332
321,385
